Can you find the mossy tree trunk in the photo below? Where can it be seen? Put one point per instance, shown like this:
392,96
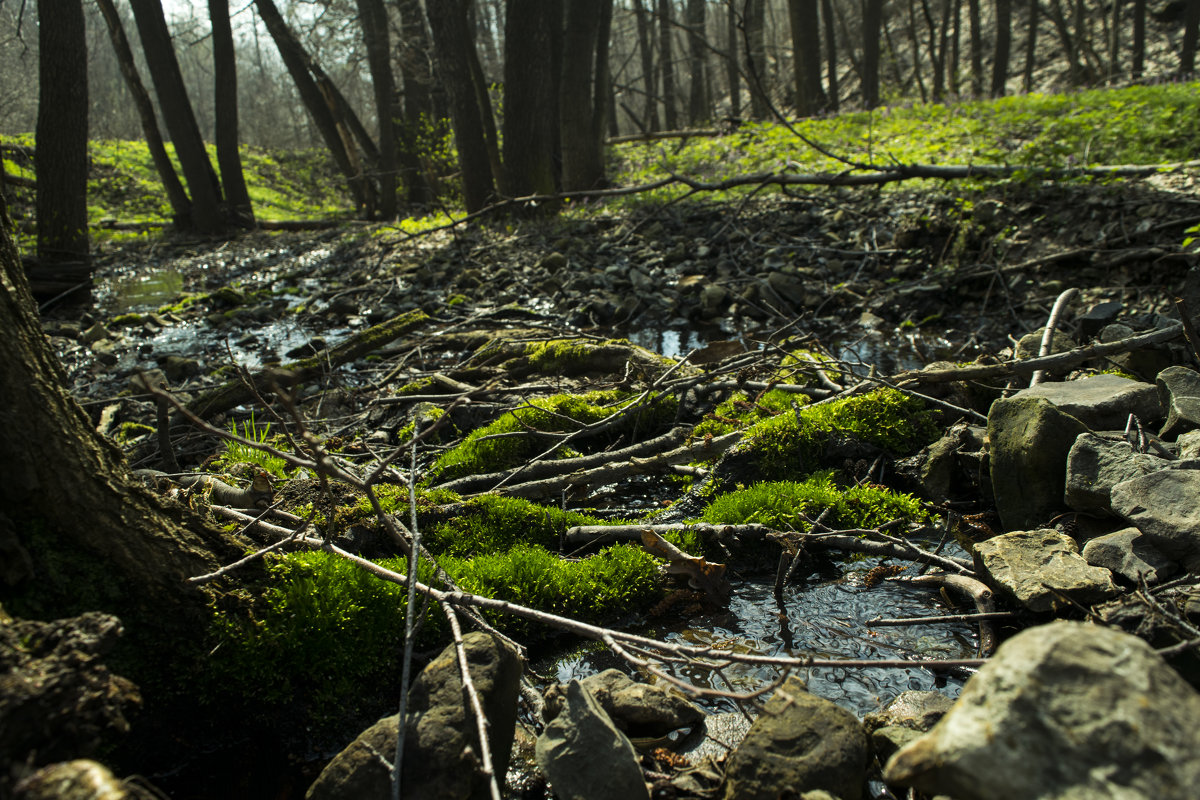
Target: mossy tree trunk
86,536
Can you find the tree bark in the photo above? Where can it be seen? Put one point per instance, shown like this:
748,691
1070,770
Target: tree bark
90,538
973,14
831,53
872,25
667,65
650,121
229,159
451,39
806,55
1003,47
531,95
1139,39
754,19
336,139
699,112
60,159
413,56
1031,46
177,113
732,68
1191,23
582,76
374,21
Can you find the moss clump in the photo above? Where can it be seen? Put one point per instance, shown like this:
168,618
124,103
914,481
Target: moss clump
790,445
128,431
616,581
321,630
507,442
743,410
788,505
492,524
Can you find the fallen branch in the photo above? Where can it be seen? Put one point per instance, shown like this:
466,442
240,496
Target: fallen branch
1025,367
883,622
979,593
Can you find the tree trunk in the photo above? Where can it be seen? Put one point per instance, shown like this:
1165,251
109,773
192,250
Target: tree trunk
531,95
755,21
1031,46
831,53
973,14
237,196
872,25
915,38
650,121
413,57
1139,39
667,64
181,205
81,534
1003,47
698,105
1114,42
177,113
582,139
452,44
337,140
732,70
60,159
955,49
374,22
806,55
1191,22
1058,17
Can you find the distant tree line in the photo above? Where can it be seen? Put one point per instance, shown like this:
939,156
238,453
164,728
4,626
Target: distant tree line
529,89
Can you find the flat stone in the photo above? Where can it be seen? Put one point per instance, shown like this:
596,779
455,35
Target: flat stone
1096,317
1096,464
639,709
1029,440
1063,711
1163,506
1102,402
1038,568
1129,554
1179,391
916,710
801,742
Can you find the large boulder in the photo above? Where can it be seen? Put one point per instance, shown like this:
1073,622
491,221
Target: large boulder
800,742
1029,439
440,742
1096,464
1163,506
638,709
1063,711
1041,570
1102,402
584,756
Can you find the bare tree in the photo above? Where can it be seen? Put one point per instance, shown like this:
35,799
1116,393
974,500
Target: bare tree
806,55
649,74
60,159
1187,51
667,65
1003,47
374,22
699,106
583,93
1139,39
872,25
229,159
732,68
176,108
531,80
831,53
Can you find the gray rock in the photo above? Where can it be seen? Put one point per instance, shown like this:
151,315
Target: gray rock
802,742
887,740
1063,711
1189,445
154,378
81,779
1029,441
788,288
1038,568
1145,362
918,711
1096,317
1129,554
714,298
179,368
1102,402
1179,391
1031,344
639,709
1163,506
1095,465
441,745
938,471
94,334
584,756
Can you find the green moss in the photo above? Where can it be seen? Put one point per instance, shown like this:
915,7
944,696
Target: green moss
128,431
787,505
791,445
491,524
481,453
125,320
743,409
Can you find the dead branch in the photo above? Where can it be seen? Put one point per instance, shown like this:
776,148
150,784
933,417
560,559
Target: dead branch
1048,333
1023,367
882,622
979,593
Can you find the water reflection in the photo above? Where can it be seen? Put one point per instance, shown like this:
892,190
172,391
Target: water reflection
146,291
